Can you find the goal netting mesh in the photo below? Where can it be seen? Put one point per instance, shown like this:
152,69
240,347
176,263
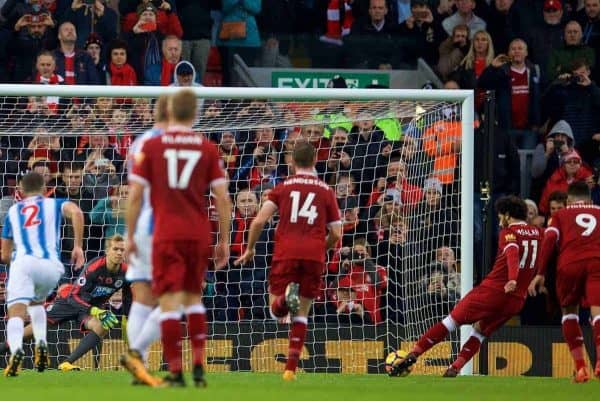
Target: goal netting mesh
395,166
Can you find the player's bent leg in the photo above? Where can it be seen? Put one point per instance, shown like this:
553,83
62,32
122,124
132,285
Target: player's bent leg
432,336
91,340
468,350
277,306
292,298
574,338
297,336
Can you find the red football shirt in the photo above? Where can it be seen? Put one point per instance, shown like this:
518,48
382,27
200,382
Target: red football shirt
179,166
528,239
519,81
307,206
578,232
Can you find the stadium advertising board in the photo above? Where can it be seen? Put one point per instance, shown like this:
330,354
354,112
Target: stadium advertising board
512,351
319,79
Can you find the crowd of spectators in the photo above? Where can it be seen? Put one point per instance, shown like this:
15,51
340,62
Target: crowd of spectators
395,179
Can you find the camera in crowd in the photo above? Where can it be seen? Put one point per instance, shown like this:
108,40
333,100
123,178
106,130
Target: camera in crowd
89,3
571,79
558,144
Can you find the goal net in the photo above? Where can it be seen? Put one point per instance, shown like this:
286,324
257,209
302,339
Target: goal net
399,162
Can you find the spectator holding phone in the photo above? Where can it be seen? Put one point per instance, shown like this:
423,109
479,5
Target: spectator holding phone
548,155
575,98
453,50
92,16
517,85
167,22
32,34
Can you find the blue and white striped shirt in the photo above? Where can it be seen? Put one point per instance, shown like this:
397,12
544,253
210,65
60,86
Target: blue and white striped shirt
145,223
34,226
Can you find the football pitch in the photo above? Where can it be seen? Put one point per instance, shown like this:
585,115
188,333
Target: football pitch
111,386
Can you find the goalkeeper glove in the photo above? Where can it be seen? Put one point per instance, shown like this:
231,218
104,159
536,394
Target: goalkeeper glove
107,318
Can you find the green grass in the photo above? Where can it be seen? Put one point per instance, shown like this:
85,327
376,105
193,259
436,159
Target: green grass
112,386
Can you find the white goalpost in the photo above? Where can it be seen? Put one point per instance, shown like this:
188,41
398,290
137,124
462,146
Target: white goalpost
401,163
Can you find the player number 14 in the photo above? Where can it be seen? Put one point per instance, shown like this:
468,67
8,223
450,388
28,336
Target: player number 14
177,179
307,210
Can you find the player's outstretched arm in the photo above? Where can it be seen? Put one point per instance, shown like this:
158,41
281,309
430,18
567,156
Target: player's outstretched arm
134,206
266,212
223,206
74,213
511,251
548,244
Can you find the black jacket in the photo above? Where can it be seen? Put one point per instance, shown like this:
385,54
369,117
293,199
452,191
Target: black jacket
195,18
507,165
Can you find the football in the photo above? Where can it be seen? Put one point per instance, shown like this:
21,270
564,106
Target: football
394,358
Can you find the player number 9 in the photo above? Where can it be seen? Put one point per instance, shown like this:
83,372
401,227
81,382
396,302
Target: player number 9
586,221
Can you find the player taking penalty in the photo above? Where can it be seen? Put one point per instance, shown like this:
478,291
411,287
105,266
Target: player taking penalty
179,167
500,295
32,227
309,224
574,230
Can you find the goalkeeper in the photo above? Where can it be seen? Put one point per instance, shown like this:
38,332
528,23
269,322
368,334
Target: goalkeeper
84,301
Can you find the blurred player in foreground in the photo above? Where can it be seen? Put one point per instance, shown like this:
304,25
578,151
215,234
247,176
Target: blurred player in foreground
84,300
143,326
309,224
33,227
499,297
179,166
574,230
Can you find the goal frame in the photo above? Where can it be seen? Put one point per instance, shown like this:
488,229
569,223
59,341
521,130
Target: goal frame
465,97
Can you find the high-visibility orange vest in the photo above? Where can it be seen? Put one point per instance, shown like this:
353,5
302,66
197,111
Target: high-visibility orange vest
438,142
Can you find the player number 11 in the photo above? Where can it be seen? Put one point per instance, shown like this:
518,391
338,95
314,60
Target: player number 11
534,249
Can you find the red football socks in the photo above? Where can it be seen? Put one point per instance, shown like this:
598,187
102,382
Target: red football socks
278,307
197,329
297,334
467,352
171,340
574,337
434,335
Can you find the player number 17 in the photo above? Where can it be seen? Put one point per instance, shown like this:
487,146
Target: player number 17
177,179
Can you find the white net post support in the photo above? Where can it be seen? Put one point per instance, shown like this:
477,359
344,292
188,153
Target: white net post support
466,228
357,97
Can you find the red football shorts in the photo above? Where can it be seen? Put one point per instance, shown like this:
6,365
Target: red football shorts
179,266
307,273
490,307
579,281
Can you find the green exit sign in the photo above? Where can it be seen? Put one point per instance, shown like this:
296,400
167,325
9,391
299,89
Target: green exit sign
320,79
